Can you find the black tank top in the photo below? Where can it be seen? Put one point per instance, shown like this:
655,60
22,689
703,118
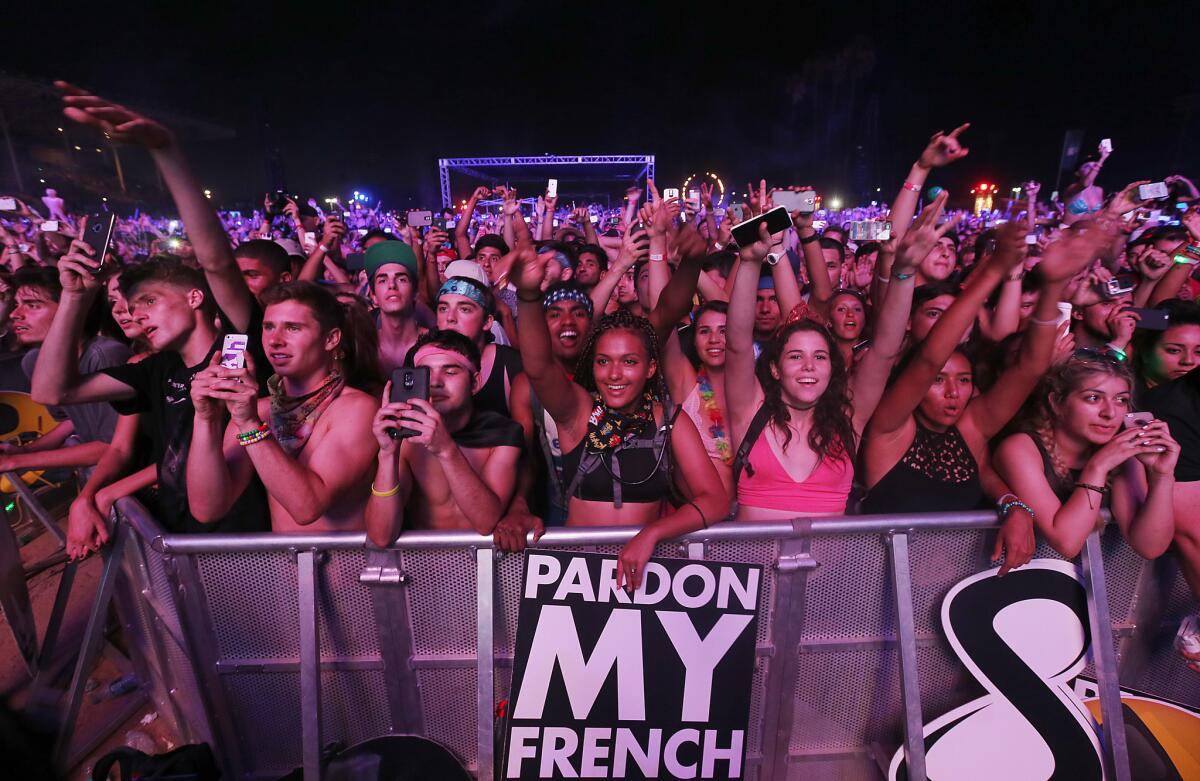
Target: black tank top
1061,486
938,473
491,396
638,471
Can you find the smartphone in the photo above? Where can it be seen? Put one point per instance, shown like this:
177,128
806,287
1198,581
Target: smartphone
1152,319
1106,145
693,197
49,226
1138,419
1064,312
789,199
365,231
355,261
420,219
233,351
593,219
670,192
552,188
1119,285
1031,238
8,204
870,230
777,220
1152,191
737,211
408,383
98,234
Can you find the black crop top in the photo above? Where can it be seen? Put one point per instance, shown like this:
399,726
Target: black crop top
637,471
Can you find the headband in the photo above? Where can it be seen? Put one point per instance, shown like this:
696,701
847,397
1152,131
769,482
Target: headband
468,288
433,350
568,294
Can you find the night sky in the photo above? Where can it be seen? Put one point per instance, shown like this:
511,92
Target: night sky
369,98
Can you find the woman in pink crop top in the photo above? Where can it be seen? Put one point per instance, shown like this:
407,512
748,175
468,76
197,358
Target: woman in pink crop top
803,461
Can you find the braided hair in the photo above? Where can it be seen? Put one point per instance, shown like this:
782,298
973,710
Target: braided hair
832,431
621,320
1061,381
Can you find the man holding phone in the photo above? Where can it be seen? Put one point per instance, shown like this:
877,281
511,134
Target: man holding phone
457,468
304,441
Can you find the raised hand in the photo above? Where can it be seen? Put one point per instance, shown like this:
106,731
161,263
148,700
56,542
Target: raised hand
921,237
431,430
387,420
943,149
690,244
758,198
1072,253
480,193
118,122
1127,199
77,269
529,269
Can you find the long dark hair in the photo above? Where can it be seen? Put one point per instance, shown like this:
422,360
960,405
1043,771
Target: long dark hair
360,340
621,320
832,431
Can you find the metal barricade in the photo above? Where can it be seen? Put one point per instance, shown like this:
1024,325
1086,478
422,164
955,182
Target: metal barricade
273,646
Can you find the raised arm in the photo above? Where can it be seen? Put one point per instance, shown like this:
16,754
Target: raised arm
635,245
203,225
676,299
740,382
462,241
905,394
56,378
1062,261
512,214
562,398
941,150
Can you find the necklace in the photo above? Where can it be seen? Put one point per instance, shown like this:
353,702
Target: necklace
713,416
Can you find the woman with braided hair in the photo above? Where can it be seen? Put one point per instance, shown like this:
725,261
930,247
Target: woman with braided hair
624,450
1075,459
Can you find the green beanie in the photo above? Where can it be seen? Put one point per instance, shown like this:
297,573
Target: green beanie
386,252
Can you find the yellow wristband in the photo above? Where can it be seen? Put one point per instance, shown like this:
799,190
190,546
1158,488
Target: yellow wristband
392,492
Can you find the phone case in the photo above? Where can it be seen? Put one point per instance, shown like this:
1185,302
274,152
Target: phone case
408,383
777,221
233,351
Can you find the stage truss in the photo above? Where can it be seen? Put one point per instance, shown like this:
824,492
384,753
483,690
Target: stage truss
491,169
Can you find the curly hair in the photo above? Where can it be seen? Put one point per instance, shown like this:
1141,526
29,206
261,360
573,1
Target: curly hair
832,432
1061,381
621,320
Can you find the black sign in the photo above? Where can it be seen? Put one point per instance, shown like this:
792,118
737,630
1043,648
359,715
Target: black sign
653,684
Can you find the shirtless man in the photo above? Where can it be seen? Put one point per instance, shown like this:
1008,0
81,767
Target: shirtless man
392,273
459,470
310,453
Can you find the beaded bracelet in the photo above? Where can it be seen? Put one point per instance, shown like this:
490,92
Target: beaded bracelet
247,438
1004,508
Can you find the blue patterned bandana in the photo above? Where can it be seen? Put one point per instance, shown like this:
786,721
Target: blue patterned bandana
464,287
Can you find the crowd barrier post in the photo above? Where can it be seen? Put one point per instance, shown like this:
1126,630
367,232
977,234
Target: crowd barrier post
310,664
485,585
792,565
1113,739
906,635
93,636
14,598
395,639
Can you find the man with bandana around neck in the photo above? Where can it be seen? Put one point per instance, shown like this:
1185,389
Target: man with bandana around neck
304,440
458,467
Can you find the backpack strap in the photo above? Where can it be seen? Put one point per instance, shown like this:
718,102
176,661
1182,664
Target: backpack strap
741,459
552,466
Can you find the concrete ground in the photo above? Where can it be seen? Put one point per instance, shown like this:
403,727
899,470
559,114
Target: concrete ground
125,719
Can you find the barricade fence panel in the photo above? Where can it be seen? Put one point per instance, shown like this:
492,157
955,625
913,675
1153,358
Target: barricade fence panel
826,678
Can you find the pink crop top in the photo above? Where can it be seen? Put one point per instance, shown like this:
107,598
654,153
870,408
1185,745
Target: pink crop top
825,492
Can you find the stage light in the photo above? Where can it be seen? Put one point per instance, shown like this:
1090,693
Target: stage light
60,130
208,194
78,148
835,203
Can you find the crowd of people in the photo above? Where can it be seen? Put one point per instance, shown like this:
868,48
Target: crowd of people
517,364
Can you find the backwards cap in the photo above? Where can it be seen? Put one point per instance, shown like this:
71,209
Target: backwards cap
386,252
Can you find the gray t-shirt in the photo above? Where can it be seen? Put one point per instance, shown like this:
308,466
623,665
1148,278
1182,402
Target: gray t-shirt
93,422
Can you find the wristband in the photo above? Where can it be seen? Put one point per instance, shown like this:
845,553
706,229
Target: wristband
912,188
882,278
390,492
323,248
772,258
1035,321
657,256
903,276
1116,352
810,239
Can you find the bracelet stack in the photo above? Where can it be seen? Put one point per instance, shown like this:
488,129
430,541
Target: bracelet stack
247,438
